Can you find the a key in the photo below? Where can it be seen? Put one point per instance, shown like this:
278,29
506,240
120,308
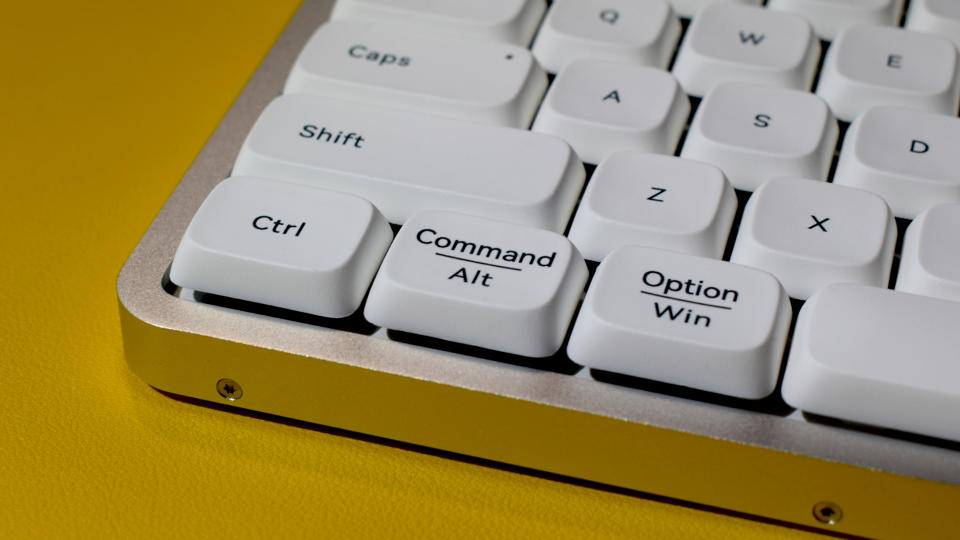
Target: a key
601,106
732,42
511,21
908,157
644,32
688,8
810,234
930,261
937,16
651,200
684,320
403,161
755,132
479,282
491,83
285,245
875,65
877,357
830,17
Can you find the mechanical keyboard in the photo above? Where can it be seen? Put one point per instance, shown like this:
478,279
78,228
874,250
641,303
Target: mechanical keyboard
701,249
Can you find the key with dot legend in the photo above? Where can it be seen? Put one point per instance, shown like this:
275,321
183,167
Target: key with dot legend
486,82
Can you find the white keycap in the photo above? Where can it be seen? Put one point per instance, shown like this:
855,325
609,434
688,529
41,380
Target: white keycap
403,161
732,42
491,83
877,357
684,320
651,200
601,106
875,65
755,132
688,8
511,21
830,17
639,31
937,16
480,282
284,245
811,234
908,157
930,260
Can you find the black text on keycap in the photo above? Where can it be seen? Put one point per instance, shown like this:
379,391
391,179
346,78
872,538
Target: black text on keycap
382,59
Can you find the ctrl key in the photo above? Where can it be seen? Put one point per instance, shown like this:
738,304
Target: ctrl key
684,320
281,244
480,282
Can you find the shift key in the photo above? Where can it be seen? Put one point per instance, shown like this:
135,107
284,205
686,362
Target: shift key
403,162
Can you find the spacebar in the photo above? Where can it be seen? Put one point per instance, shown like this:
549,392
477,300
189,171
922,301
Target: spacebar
877,357
404,162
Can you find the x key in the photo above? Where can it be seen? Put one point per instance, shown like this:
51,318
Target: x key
859,248
818,223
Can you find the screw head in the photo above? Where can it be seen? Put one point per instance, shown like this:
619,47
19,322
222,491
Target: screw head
229,389
827,512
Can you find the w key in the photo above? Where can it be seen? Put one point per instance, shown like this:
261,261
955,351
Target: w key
728,42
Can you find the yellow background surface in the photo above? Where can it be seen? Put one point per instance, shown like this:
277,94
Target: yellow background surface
104,105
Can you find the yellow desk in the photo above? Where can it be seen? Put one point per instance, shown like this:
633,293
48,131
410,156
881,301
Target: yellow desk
104,105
